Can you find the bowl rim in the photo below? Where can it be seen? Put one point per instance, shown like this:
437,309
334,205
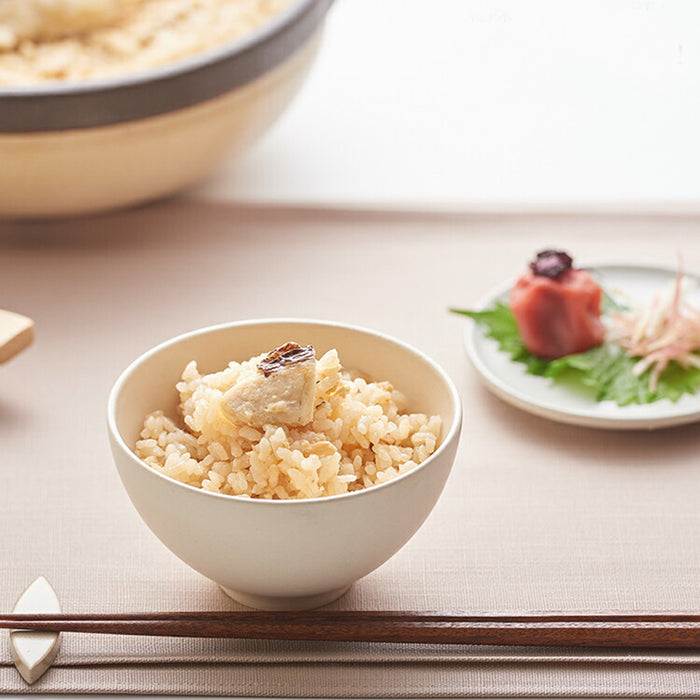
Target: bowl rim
446,440
63,105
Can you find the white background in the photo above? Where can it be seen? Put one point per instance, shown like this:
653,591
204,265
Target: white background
469,103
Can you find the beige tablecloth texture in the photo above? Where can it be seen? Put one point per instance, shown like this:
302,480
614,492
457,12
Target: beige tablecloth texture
536,515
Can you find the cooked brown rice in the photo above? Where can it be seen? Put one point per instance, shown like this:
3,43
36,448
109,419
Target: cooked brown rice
359,437
42,40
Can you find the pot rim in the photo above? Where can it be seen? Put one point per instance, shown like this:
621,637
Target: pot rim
58,106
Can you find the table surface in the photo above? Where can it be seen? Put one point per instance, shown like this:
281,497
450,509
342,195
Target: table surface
522,490
489,104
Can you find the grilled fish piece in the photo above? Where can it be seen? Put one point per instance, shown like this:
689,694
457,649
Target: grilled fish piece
280,392
39,20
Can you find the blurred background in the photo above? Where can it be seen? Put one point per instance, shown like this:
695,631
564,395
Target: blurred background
489,104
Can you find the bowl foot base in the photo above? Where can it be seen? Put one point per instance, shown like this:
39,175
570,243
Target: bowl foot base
306,602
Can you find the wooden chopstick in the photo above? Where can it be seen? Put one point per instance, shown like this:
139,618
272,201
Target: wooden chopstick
653,630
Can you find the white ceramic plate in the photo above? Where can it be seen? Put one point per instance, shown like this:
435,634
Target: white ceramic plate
542,397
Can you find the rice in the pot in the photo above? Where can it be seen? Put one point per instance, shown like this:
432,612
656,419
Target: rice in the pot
75,40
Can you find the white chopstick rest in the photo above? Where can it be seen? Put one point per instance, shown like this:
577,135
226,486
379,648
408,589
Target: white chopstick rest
16,333
34,652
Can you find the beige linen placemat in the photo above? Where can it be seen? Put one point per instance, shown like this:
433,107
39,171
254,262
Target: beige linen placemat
536,515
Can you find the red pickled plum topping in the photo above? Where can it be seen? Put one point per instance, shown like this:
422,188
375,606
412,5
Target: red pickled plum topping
558,315
551,263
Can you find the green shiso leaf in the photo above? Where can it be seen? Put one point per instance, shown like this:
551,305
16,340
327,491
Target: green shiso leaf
499,323
605,370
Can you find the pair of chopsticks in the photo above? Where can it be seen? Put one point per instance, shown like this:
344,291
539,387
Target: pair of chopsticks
653,630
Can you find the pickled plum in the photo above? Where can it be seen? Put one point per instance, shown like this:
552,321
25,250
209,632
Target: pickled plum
559,314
